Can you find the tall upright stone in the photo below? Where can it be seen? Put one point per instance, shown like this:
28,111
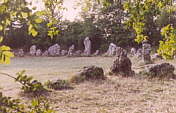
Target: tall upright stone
87,45
119,51
139,53
122,65
146,50
71,50
38,52
133,51
33,50
97,52
111,50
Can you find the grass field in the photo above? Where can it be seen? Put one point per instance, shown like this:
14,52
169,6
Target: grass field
48,68
114,95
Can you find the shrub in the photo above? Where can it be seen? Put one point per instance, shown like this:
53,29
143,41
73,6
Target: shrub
38,105
9,105
29,85
59,84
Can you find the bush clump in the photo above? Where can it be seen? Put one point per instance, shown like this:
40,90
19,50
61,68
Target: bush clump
59,84
38,105
29,85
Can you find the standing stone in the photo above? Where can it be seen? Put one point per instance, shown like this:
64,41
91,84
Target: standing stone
146,50
122,65
111,50
174,56
155,56
45,53
78,53
54,50
87,45
33,50
19,53
139,53
96,53
71,50
64,52
38,52
119,51
133,51
58,51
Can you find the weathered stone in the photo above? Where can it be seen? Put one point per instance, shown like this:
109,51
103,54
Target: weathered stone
92,72
97,52
64,52
120,52
111,50
122,65
133,51
54,50
19,53
87,45
146,50
163,70
71,50
155,56
78,53
45,53
38,52
33,50
139,53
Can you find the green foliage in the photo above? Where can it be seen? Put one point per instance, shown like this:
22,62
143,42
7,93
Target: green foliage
29,85
9,105
38,105
168,45
5,54
141,16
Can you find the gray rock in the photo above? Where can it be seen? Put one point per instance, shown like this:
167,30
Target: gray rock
139,53
163,70
33,50
111,50
155,56
120,52
146,50
64,52
54,50
92,72
97,52
19,53
133,51
78,53
87,45
122,65
71,50
38,52
45,53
